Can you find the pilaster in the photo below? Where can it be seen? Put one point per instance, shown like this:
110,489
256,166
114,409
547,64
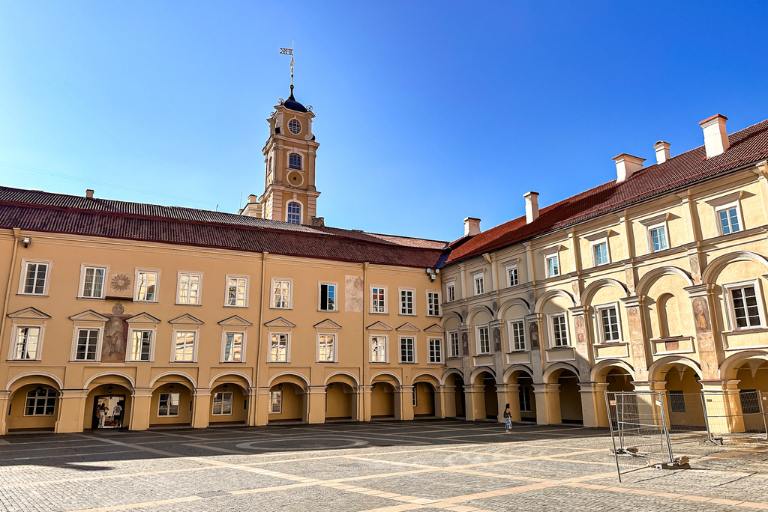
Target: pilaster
316,413
406,403
141,407
201,408
71,412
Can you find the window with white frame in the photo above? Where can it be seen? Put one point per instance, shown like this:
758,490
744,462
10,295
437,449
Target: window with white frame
479,282
40,401
281,293
610,323
435,350
188,288
450,292
746,306
146,286
293,212
276,401
433,304
378,299
657,237
559,325
517,334
168,404
600,253
378,349
406,302
27,343
35,277
233,347
326,348
327,297
222,403
278,347
729,218
553,265
92,284
87,341
454,344
140,348
512,276
237,291
483,340
184,346
407,349
294,161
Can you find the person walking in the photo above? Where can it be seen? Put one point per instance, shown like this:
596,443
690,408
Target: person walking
102,412
507,420
117,415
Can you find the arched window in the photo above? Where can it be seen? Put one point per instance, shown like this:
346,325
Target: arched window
40,402
294,213
294,161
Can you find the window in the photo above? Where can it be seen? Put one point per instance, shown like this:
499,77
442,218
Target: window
168,404
483,340
657,236
450,292
553,265
222,403
600,253
237,291
87,341
184,347
27,343
517,334
729,218
35,275
327,297
281,293
407,350
378,349
406,302
435,350
750,401
188,291
146,286
559,330
294,161
93,282
453,340
40,402
433,304
676,401
293,213
415,396
378,299
276,401
278,348
512,277
524,395
294,126
745,307
326,348
233,347
140,345
479,280
610,329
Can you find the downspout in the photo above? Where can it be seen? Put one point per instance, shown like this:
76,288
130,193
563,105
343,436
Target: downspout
16,237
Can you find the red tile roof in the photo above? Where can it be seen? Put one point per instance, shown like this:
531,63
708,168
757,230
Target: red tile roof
33,210
746,147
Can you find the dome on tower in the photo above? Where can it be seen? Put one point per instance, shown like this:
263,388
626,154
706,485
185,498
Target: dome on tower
292,104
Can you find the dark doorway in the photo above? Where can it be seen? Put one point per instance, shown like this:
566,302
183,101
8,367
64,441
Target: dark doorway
108,412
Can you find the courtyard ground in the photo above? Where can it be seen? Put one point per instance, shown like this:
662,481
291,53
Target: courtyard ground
423,465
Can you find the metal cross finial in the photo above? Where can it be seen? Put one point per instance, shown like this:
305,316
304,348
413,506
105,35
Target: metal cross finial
289,51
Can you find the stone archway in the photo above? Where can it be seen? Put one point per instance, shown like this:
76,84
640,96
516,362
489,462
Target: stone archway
384,401
425,397
486,400
107,396
520,395
288,399
454,382
341,398
229,400
564,395
33,404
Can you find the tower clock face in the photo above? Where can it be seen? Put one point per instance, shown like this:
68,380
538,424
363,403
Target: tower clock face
294,126
295,179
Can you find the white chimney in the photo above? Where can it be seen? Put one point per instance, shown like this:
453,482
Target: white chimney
662,151
715,136
531,206
627,165
471,226
89,193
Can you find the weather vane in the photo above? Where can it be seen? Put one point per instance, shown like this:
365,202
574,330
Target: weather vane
289,51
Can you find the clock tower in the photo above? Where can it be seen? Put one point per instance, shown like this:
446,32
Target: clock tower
290,194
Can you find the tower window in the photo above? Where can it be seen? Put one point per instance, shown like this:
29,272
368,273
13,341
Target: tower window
294,213
294,161
294,126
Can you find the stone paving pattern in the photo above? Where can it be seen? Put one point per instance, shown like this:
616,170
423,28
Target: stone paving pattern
426,465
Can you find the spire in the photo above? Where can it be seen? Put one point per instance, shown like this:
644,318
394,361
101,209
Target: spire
289,51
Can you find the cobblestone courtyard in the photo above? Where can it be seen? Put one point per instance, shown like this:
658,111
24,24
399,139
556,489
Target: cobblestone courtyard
425,465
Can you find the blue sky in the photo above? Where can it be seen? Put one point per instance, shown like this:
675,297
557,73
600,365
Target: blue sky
427,112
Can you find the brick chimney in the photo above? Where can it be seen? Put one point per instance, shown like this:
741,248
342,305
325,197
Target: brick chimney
531,206
253,208
471,226
627,165
715,136
662,151
89,193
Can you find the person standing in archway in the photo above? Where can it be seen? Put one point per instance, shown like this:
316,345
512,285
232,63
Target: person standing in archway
507,419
